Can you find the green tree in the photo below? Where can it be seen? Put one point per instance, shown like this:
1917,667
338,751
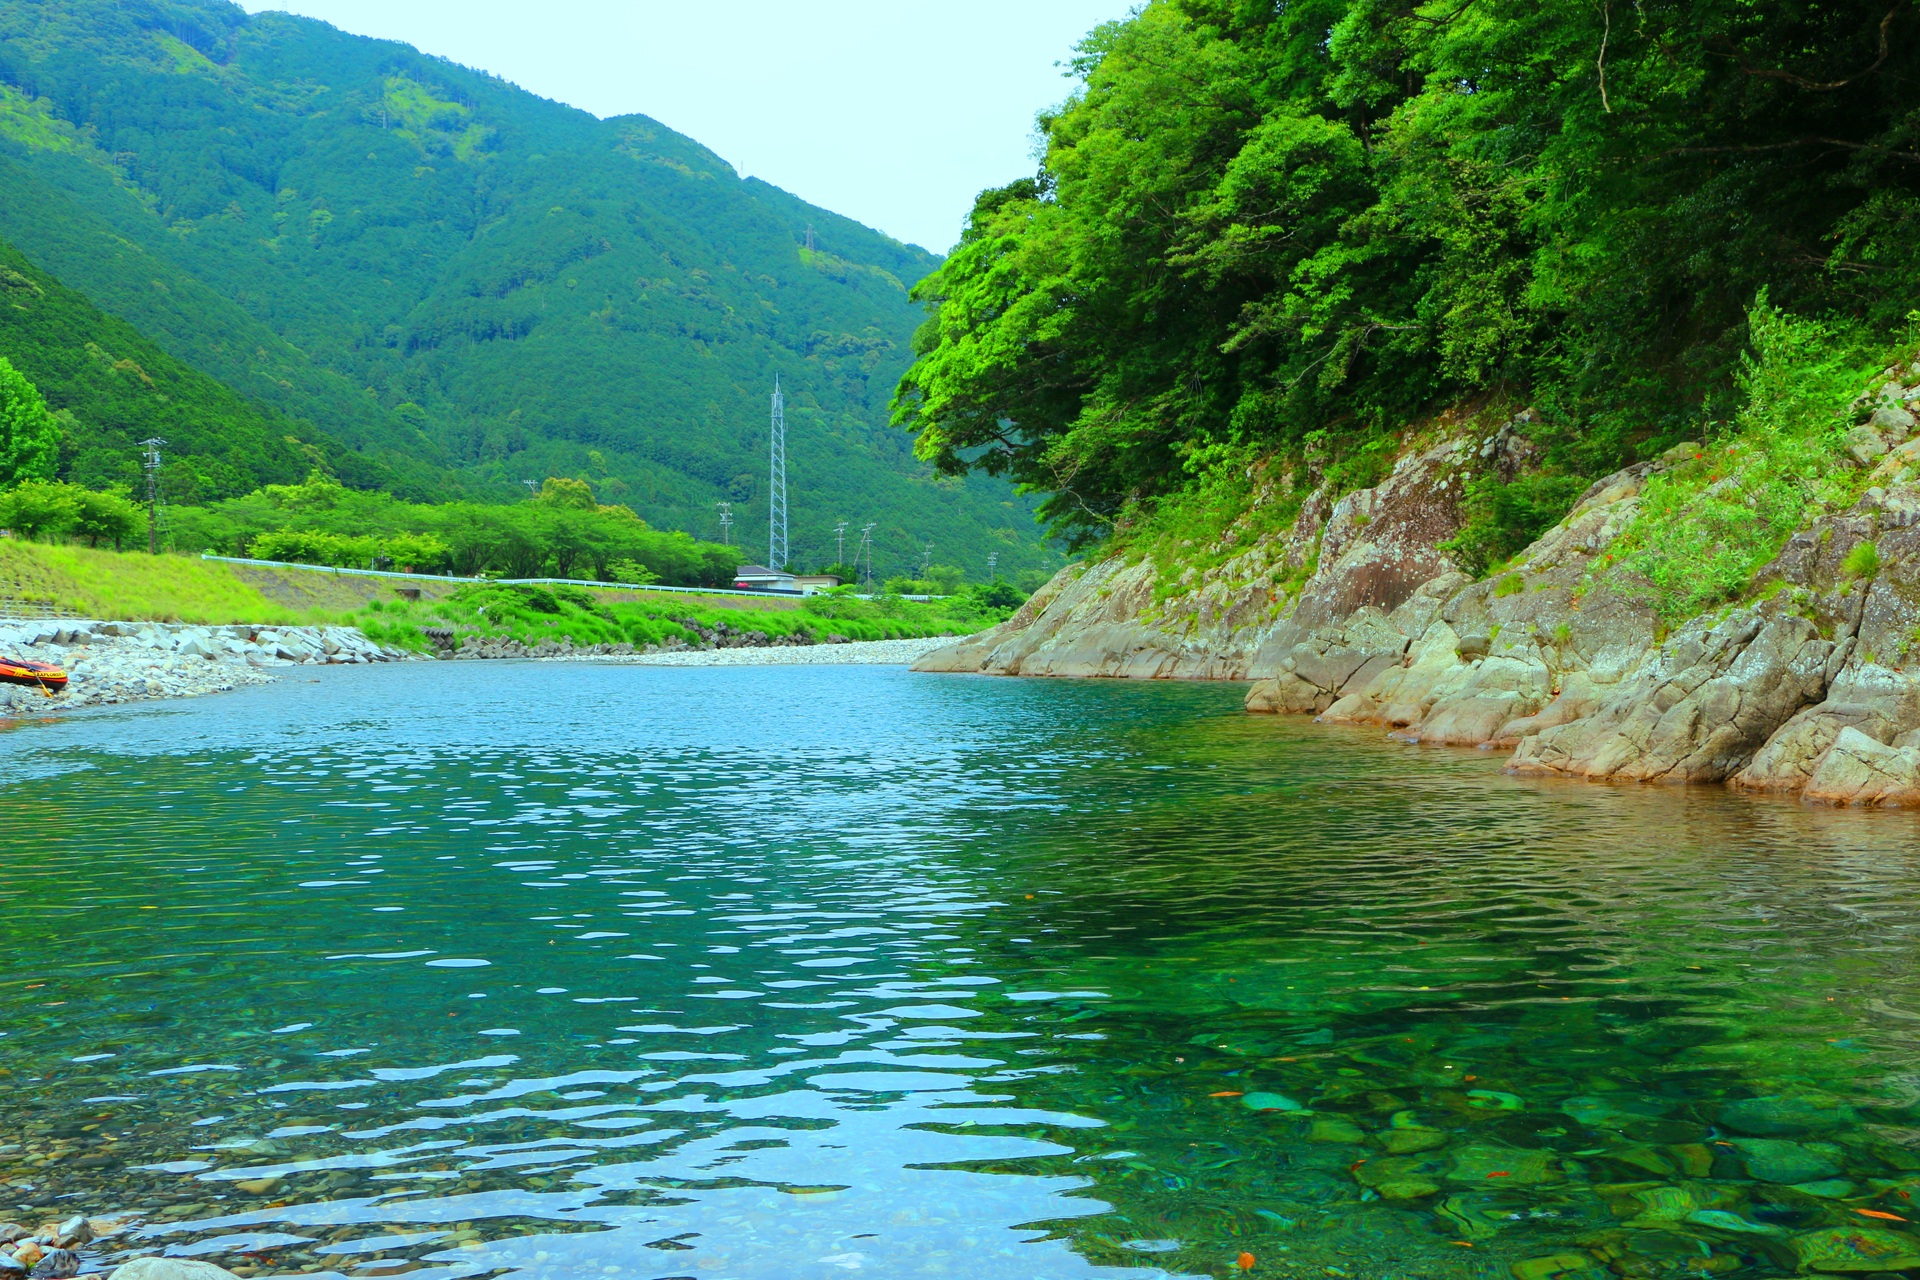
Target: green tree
1289,229
29,435
105,515
39,508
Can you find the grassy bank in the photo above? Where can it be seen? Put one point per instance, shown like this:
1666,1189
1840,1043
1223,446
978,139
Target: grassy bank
167,588
108,584
586,617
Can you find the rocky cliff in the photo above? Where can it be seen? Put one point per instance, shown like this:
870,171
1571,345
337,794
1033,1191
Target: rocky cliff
1802,686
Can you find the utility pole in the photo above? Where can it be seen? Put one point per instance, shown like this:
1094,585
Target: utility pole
926,560
993,566
726,522
150,460
777,500
866,549
840,543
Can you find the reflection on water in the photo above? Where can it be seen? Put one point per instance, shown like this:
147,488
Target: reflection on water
769,973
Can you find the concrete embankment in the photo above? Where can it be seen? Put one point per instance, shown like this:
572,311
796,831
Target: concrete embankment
130,661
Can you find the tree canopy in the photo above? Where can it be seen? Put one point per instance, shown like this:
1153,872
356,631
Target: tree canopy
1296,225
29,436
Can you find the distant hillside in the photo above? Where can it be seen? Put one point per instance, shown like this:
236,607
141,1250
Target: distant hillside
436,267
116,388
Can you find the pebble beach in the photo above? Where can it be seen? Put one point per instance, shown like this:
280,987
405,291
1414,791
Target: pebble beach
855,652
114,662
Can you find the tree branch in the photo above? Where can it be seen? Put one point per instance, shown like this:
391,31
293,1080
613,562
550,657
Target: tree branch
1828,86
1441,22
1606,34
1786,146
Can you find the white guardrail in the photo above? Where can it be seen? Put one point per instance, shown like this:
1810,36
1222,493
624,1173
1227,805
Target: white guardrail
339,571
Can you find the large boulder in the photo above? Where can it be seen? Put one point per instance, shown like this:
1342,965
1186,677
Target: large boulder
1702,708
170,1269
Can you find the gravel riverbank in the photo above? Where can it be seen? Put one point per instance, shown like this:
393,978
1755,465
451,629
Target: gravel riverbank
856,652
132,661
109,662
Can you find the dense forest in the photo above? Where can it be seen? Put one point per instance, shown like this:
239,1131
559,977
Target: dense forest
1294,230
111,388
465,287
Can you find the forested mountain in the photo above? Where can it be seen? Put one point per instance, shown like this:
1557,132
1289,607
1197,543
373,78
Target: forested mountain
1295,229
113,388
466,284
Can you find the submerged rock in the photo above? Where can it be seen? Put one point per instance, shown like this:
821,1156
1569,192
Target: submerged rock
1560,1266
1845,1249
1511,1165
1779,1160
1269,1102
170,1269
1724,1220
1773,1116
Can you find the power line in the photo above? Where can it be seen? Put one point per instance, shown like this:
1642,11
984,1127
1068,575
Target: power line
777,506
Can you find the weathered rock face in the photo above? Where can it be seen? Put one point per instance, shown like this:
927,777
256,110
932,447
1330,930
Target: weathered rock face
1699,709
1103,621
1805,690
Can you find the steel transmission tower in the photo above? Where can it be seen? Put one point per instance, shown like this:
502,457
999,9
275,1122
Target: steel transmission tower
150,460
777,502
866,549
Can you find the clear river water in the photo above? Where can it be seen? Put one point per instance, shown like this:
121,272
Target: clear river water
547,970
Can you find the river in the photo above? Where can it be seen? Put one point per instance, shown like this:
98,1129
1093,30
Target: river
542,970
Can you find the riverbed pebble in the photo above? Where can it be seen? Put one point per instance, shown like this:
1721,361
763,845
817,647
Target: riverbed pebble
56,1264
130,661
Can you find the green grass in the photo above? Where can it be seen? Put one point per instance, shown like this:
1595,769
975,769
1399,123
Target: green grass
169,588
531,614
110,585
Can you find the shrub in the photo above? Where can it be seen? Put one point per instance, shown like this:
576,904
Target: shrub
1503,519
1707,526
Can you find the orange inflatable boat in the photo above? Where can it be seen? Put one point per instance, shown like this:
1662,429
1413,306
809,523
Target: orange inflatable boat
41,675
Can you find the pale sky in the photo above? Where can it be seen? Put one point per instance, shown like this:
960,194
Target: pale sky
893,112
